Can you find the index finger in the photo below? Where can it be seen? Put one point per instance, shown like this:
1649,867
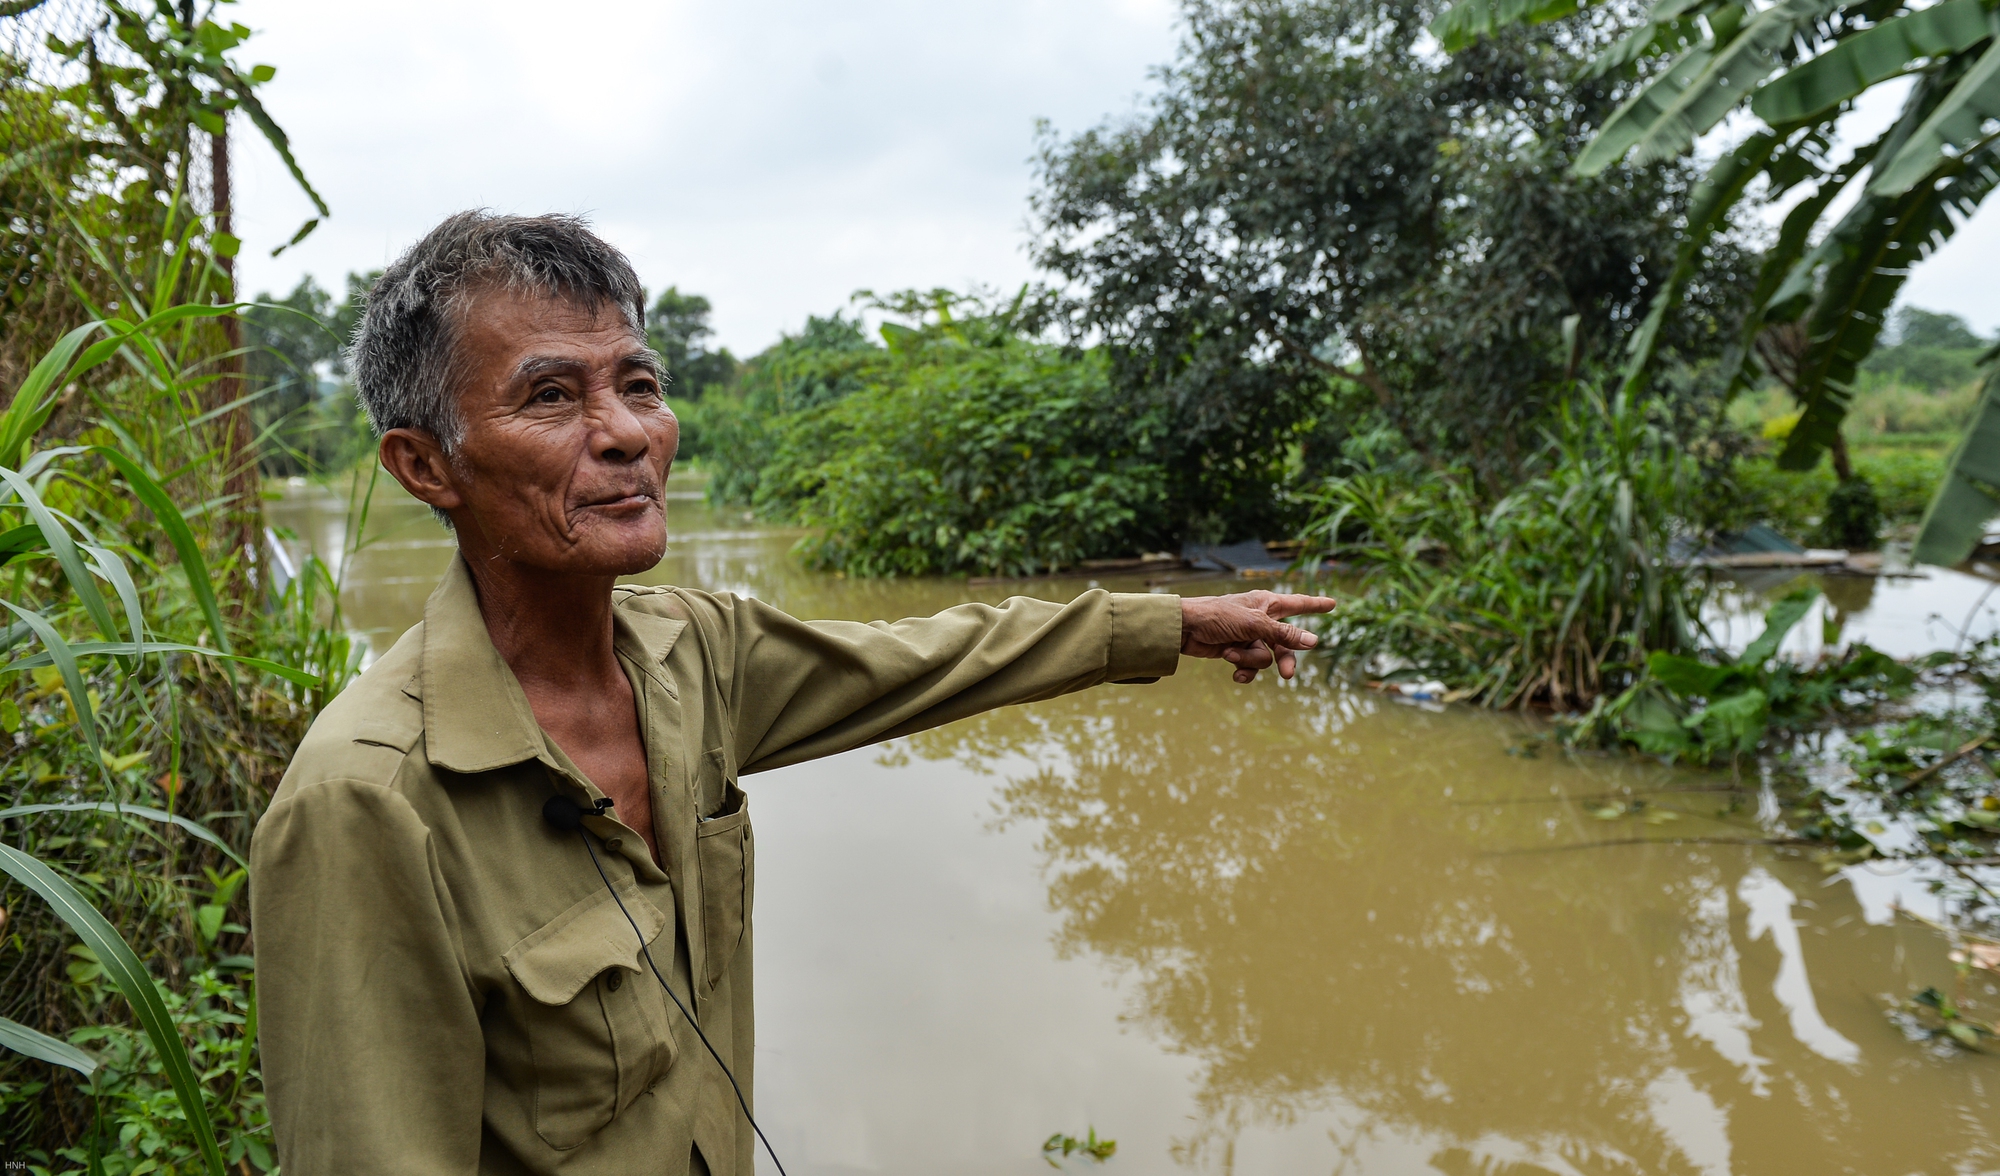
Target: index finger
1278,635
1295,605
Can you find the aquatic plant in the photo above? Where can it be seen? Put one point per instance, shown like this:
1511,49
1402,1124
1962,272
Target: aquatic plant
1090,1147
1712,706
1553,595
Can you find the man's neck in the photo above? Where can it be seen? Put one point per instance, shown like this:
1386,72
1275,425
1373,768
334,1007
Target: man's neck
553,630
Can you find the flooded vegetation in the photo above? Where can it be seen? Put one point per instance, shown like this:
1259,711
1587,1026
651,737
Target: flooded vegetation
1298,928
1637,815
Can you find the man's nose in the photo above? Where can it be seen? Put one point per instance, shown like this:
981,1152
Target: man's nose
617,434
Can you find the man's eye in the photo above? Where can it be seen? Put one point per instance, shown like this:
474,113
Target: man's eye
549,394
643,388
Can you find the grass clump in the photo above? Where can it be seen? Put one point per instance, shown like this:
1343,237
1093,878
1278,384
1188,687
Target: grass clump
1552,595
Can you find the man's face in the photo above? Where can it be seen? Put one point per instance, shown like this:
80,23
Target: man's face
567,440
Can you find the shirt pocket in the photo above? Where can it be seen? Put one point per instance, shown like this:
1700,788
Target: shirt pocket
726,852
596,1020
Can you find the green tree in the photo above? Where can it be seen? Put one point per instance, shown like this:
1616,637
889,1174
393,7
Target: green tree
677,327
305,410
1932,351
1317,205
1917,327
830,359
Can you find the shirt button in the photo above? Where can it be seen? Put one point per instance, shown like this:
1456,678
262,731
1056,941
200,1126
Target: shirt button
615,844
615,980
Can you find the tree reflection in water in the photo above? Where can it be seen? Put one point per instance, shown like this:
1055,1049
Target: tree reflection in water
1371,918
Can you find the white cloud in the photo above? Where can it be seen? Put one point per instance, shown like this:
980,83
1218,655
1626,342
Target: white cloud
775,156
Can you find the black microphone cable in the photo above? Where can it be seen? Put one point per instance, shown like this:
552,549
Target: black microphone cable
567,815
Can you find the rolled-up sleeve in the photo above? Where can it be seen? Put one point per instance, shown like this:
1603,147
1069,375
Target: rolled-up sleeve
804,689
371,1038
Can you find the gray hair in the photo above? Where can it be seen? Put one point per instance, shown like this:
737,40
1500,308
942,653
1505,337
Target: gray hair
405,351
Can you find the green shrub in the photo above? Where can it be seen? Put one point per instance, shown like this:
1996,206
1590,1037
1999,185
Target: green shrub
1003,457
1885,408
1890,408
827,361
1555,594
1715,706
1794,502
194,747
1852,519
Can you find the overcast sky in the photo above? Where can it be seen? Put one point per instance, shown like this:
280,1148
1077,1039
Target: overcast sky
774,155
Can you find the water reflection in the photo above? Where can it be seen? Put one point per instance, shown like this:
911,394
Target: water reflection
1374,917
1348,935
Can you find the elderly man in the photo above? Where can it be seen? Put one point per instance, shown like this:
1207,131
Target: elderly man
448,985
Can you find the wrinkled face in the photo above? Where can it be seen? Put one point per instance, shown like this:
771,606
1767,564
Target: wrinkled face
567,439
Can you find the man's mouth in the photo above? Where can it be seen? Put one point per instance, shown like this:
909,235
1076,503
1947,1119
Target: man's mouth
624,499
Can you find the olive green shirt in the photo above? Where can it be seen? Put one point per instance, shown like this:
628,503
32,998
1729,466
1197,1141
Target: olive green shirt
446,986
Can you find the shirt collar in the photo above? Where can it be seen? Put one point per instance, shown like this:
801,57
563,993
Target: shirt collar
476,717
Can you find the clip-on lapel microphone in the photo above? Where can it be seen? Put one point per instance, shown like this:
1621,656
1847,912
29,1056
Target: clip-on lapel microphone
567,816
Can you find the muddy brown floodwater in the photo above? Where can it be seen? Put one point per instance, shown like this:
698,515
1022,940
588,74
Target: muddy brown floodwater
1289,928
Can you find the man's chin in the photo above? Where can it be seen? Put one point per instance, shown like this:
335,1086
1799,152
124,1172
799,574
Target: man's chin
614,551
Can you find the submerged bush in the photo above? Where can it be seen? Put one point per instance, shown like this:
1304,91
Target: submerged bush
1554,594
1852,519
1002,457
735,432
1794,502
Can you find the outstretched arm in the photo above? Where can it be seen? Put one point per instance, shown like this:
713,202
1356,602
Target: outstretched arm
1245,629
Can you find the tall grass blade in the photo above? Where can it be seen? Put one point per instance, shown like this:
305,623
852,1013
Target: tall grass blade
123,966
19,541
37,1044
60,545
150,492
76,649
36,397
112,568
59,653
128,810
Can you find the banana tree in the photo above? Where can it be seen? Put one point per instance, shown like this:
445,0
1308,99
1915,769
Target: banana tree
1800,67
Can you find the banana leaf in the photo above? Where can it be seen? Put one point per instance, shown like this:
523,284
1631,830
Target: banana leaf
1467,21
1958,123
1708,210
1662,120
1869,58
1956,519
1873,250
1661,37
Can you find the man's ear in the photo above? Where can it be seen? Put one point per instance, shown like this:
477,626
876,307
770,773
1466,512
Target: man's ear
414,458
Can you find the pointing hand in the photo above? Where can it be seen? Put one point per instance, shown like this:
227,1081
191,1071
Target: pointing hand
1244,629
